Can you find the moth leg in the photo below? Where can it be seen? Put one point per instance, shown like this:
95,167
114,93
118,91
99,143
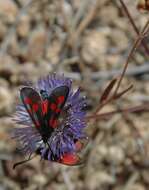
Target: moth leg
24,161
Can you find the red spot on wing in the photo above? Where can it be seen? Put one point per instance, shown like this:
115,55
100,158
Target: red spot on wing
44,107
53,122
60,99
69,159
53,106
35,107
37,124
27,101
57,110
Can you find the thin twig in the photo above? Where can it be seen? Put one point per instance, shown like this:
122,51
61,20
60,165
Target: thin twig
111,99
118,95
135,109
133,71
136,44
134,25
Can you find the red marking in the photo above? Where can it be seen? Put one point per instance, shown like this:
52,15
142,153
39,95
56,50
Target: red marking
37,124
60,99
78,145
35,107
53,122
44,106
57,110
53,106
27,101
69,159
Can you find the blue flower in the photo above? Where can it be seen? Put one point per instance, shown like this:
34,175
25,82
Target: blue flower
62,143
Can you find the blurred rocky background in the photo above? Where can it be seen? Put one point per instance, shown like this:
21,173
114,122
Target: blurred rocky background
89,41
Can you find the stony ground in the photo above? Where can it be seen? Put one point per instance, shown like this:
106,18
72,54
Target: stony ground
89,41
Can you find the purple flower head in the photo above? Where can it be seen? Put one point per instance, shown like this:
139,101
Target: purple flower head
52,120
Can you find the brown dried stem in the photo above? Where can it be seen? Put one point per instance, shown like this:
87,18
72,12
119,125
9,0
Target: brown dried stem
136,44
135,109
133,24
117,95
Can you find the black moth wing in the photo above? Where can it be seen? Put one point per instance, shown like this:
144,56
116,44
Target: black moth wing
56,102
32,102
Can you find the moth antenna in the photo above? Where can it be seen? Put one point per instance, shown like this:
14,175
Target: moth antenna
24,161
